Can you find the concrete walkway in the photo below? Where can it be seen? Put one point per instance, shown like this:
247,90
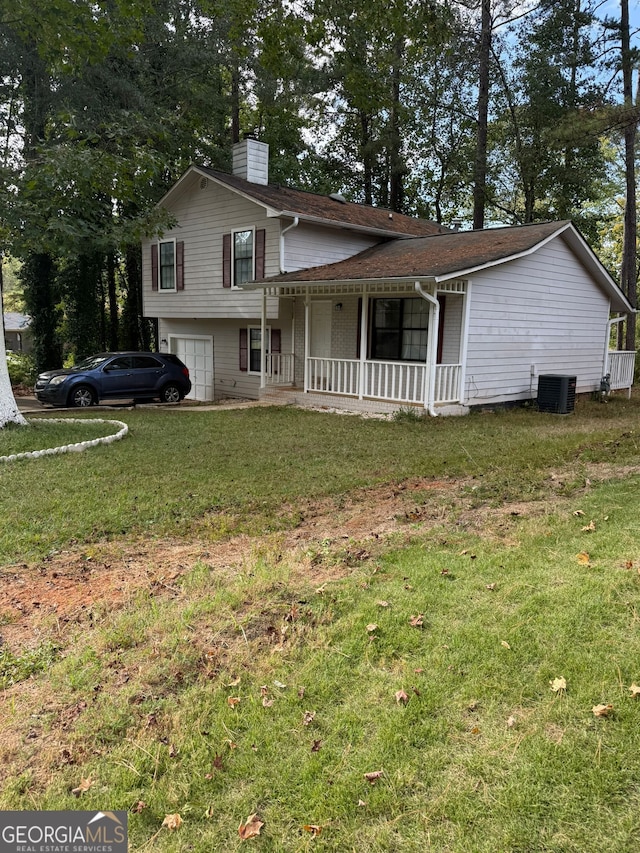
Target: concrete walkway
28,405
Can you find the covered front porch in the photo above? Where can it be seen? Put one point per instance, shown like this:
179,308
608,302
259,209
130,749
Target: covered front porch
384,342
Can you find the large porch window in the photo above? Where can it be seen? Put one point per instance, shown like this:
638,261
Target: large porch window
399,329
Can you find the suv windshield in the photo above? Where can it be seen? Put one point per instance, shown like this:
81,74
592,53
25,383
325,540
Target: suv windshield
90,363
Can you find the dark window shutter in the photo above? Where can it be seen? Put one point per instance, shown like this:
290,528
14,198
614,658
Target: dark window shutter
226,261
180,265
154,266
275,340
260,244
244,349
359,327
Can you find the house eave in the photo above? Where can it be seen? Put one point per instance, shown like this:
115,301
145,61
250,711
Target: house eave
339,286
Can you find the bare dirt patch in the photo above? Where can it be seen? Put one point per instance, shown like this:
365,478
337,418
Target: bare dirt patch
56,595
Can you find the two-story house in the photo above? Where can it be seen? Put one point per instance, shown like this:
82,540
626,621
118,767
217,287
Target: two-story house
259,287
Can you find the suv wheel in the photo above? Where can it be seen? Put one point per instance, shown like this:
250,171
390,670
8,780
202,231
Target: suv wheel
82,396
170,394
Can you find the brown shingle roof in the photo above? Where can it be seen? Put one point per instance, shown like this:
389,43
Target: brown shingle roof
326,209
436,256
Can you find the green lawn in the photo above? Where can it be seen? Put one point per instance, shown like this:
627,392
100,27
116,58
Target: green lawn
471,617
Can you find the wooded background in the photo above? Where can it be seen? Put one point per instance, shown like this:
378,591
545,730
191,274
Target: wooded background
483,112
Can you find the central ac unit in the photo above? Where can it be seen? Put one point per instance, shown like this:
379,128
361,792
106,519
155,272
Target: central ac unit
556,393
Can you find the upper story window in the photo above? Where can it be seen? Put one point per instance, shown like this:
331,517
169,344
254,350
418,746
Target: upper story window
242,256
168,265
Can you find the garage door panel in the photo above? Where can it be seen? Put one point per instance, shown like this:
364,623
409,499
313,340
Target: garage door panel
197,354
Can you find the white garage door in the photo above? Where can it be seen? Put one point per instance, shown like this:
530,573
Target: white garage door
197,354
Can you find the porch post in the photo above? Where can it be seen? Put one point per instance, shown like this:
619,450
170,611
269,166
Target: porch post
263,341
307,342
364,337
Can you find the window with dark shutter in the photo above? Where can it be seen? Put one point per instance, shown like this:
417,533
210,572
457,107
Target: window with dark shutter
226,261
260,251
154,267
244,349
180,265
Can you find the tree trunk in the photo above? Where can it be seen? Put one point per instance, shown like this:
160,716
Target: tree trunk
480,166
9,412
628,270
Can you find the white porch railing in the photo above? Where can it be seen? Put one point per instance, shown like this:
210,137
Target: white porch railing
334,376
392,380
280,368
621,365
401,382
448,377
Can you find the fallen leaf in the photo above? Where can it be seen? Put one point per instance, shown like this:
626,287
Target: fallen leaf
578,513
583,558
628,564
382,603
266,703
173,751
361,803
139,807
444,572
301,692
401,697
235,682
511,722
250,828
602,710
316,746
505,644
491,586
417,621
172,821
279,685
635,691
372,627
558,684
307,719
313,828
373,777
588,528
232,701
475,730
83,787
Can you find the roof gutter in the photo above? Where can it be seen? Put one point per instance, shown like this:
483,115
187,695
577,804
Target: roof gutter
432,343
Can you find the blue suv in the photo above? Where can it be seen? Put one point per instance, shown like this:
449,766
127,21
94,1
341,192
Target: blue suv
113,375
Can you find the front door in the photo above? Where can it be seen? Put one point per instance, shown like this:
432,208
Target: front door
320,342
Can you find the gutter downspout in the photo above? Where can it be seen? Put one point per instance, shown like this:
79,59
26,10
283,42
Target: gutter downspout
432,344
294,224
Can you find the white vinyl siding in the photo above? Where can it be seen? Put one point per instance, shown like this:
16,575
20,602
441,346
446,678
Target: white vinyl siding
203,216
544,311
452,328
312,245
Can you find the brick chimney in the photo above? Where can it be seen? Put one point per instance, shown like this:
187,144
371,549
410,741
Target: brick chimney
251,161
